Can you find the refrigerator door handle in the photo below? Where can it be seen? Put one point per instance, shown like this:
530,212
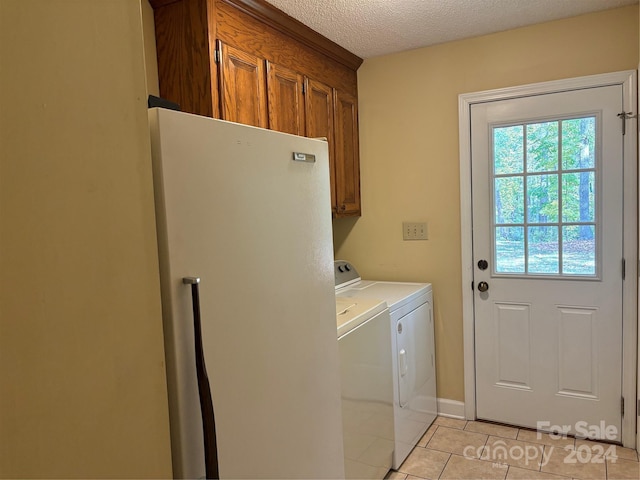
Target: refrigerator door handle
204,390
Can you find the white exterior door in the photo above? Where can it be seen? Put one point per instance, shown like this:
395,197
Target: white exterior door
547,199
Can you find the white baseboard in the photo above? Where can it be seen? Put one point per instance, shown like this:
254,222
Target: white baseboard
450,408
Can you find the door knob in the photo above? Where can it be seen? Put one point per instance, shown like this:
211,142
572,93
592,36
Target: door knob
483,286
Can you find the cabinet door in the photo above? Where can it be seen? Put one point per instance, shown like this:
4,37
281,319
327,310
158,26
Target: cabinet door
347,157
319,123
285,99
242,83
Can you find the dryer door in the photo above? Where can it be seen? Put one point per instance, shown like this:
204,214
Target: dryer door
415,363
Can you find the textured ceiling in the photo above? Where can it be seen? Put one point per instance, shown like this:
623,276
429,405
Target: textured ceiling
370,28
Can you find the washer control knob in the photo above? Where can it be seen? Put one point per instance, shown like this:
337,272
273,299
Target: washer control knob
341,269
347,267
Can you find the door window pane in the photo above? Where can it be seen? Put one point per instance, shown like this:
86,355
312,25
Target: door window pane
509,199
508,149
542,198
509,249
543,256
578,197
579,143
542,147
579,249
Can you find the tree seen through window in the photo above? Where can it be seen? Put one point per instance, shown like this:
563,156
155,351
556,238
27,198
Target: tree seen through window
544,197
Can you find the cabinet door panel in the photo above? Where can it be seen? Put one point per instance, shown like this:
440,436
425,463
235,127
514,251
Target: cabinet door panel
285,99
242,82
319,123
347,155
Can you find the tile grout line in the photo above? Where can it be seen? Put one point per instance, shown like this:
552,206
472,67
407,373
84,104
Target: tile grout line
544,451
484,447
445,466
464,429
432,435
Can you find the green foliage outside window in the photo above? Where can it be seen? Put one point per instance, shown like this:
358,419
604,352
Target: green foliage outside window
544,178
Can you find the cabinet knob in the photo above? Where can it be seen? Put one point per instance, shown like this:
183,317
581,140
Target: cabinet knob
343,208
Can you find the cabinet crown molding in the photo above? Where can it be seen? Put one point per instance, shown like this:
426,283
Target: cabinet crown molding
280,21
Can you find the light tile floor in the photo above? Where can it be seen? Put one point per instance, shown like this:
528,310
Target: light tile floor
455,449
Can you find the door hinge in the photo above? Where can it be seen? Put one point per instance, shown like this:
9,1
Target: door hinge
472,286
624,116
624,268
622,406
216,56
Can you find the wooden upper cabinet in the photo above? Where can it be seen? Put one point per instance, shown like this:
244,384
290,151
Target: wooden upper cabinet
347,155
319,116
285,99
242,83
184,56
246,61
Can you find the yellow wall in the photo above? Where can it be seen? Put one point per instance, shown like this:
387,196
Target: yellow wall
82,378
409,149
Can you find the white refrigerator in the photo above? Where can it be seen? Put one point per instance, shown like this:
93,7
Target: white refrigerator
246,257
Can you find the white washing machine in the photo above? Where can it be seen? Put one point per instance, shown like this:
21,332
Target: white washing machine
412,351
364,342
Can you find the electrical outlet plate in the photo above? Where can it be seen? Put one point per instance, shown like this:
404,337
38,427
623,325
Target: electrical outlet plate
414,231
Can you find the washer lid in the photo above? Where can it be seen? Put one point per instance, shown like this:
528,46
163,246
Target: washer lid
396,294
351,312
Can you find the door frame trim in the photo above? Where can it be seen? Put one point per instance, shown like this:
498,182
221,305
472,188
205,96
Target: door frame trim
628,81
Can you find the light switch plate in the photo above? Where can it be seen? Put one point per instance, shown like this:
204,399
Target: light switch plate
414,231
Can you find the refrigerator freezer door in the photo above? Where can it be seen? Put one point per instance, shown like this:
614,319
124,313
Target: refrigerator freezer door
236,210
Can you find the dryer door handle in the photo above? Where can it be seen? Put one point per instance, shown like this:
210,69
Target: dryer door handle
402,360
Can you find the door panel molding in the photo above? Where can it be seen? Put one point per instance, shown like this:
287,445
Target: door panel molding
574,378
513,367
628,81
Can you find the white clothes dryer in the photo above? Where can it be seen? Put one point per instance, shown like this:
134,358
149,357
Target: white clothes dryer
412,350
